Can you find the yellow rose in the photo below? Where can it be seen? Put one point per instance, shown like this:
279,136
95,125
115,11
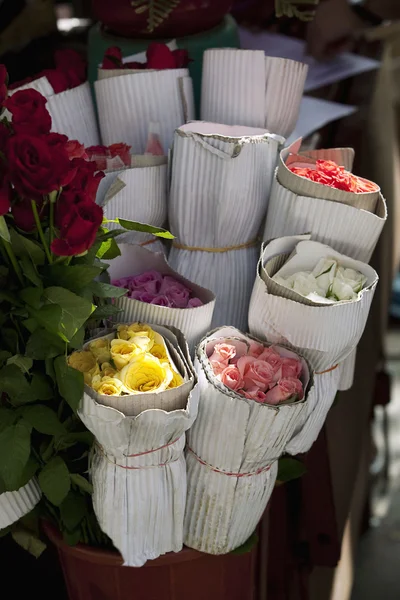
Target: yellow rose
85,362
110,386
95,383
122,352
101,349
145,373
107,370
142,341
176,380
159,351
141,329
122,332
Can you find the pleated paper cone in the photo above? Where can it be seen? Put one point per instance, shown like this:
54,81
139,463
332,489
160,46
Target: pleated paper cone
129,103
138,469
14,505
193,322
243,87
325,334
218,198
72,114
231,454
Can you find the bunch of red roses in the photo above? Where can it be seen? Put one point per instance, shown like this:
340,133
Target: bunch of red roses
45,181
158,56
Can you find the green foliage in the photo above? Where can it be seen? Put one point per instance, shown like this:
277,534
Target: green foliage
289,468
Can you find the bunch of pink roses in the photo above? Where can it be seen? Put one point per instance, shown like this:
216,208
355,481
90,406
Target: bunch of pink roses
262,374
154,288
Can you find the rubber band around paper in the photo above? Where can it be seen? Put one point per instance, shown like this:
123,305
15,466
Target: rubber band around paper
101,449
216,250
328,370
148,242
238,475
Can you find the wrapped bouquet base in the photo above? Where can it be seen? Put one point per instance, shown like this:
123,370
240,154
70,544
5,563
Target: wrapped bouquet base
232,451
14,505
138,468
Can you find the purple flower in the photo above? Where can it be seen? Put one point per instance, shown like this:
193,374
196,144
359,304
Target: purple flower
161,300
168,282
194,303
142,296
149,281
123,282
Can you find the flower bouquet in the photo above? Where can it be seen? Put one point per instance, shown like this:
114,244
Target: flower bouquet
69,99
252,397
139,400
52,237
245,87
157,294
219,192
315,300
128,99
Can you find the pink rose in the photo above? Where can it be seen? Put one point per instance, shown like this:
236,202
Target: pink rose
223,352
123,282
149,281
218,366
142,296
161,300
291,367
270,356
256,372
231,377
288,387
254,393
255,349
168,281
177,296
194,303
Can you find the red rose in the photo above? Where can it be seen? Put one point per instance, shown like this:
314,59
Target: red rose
79,227
3,84
37,167
134,65
112,58
29,113
75,150
5,192
86,178
159,56
98,155
4,135
57,79
67,199
123,151
182,59
73,65
23,214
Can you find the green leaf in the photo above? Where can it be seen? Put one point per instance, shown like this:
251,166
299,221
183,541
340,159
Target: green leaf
289,468
247,546
136,226
23,246
108,250
77,341
105,311
73,277
30,324
15,448
28,540
32,296
70,382
49,317
7,418
22,362
82,483
29,471
50,372
75,310
4,232
4,355
43,419
42,345
29,270
9,297
14,384
10,339
106,290
72,538
55,481
73,510
80,437
41,387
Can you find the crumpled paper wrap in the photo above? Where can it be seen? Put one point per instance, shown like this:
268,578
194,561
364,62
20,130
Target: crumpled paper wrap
14,505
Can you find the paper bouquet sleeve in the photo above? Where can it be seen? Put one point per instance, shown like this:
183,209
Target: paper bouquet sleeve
244,87
138,468
14,505
219,192
193,322
325,334
231,456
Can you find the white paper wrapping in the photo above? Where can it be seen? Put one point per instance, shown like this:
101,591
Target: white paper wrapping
14,505
72,113
219,192
193,322
324,334
244,87
138,468
231,454
127,104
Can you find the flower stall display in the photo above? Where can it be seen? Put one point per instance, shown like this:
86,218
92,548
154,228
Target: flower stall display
324,332
252,397
52,237
155,87
220,184
158,294
145,401
69,99
245,87
350,222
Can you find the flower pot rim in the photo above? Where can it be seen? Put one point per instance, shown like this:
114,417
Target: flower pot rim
112,558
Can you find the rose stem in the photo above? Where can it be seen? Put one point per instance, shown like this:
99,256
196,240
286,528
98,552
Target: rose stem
40,230
13,260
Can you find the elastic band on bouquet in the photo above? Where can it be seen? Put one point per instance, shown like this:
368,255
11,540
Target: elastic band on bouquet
238,475
148,242
168,462
328,370
227,249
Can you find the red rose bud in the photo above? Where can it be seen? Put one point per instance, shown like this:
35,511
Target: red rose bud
57,79
112,58
68,199
73,65
5,193
79,229
29,113
134,65
123,151
159,57
86,178
182,59
75,150
3,84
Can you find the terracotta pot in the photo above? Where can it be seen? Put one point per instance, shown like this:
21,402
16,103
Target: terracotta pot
187,18
93,574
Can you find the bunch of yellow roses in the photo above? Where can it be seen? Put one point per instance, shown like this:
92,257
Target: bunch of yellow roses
135,360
